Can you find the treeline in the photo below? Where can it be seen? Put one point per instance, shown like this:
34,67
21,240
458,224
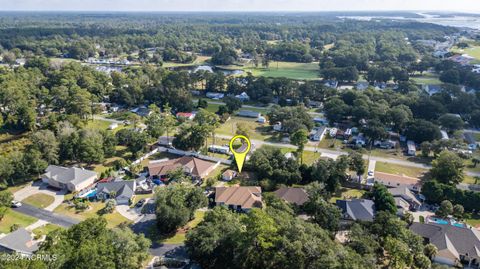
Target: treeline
61,35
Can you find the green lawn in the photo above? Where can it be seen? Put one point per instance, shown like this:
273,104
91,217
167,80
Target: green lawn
347,193
39,200
179,237
114,219
474,220
214,108
257,131
398,169
427,78
45,229
199,61
13,217
473,50
308,71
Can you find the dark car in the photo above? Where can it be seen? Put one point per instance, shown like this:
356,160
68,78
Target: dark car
140,203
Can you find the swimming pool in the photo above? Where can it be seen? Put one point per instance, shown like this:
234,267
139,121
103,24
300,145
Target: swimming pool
439,221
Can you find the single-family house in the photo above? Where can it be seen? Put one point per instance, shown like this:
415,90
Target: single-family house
411,148
195,167
362,85
72,179
444,135
239,198
142,111
262,119
20,242
277,127
219,149
122,191
455,245
394,181
357,209
331,83
297,196
215,95
318,133
243,97
186,115
229,175
405,199
248,114
432,89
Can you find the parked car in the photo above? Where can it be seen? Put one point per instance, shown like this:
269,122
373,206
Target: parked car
16,204
140,203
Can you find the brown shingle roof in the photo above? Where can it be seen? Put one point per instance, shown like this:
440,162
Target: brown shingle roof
392,180
194,166
246,197
296,196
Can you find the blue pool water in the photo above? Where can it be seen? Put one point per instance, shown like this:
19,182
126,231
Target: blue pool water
91,194
440,221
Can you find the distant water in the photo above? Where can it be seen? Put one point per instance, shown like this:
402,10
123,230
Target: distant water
455,21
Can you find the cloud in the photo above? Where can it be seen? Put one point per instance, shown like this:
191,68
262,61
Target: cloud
240,5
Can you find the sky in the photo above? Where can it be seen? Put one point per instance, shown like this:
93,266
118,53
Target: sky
240,5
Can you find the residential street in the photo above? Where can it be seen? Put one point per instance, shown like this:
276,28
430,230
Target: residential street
333,153
45,215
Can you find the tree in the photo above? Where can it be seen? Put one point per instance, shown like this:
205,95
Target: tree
6,198
430,250
202,103
192,136
90,147
155,125
169,120
445,209
299,139
176,205
451,122
458,211
448,168
233,104
383,199
46,142
325,214
421,130
243,129
356,163
90,243
475,162
425,146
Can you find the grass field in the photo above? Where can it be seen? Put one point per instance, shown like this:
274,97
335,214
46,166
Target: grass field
398,169
39,200
13,217
473,51
308,71
214,108
114,219
179,237
347,193
45,229
199,61
427,78
256,130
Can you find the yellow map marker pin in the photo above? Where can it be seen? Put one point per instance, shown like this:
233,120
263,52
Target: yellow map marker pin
240,156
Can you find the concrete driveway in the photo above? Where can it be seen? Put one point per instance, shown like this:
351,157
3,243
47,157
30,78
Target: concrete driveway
40,187
134,214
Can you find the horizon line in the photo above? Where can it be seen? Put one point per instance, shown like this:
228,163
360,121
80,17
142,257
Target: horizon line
244,11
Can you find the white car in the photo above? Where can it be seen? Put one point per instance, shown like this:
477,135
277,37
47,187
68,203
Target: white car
16,204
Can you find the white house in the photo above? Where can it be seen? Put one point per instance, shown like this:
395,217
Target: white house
243,97
113,126
411,148
318,133
219,149
277,127
73,178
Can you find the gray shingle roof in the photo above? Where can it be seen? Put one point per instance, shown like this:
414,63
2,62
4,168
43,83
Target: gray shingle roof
296,196
19,241
457,240
358,209
121,188
66,175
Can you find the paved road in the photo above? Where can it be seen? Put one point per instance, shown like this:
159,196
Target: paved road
98,117
334,153
48,216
